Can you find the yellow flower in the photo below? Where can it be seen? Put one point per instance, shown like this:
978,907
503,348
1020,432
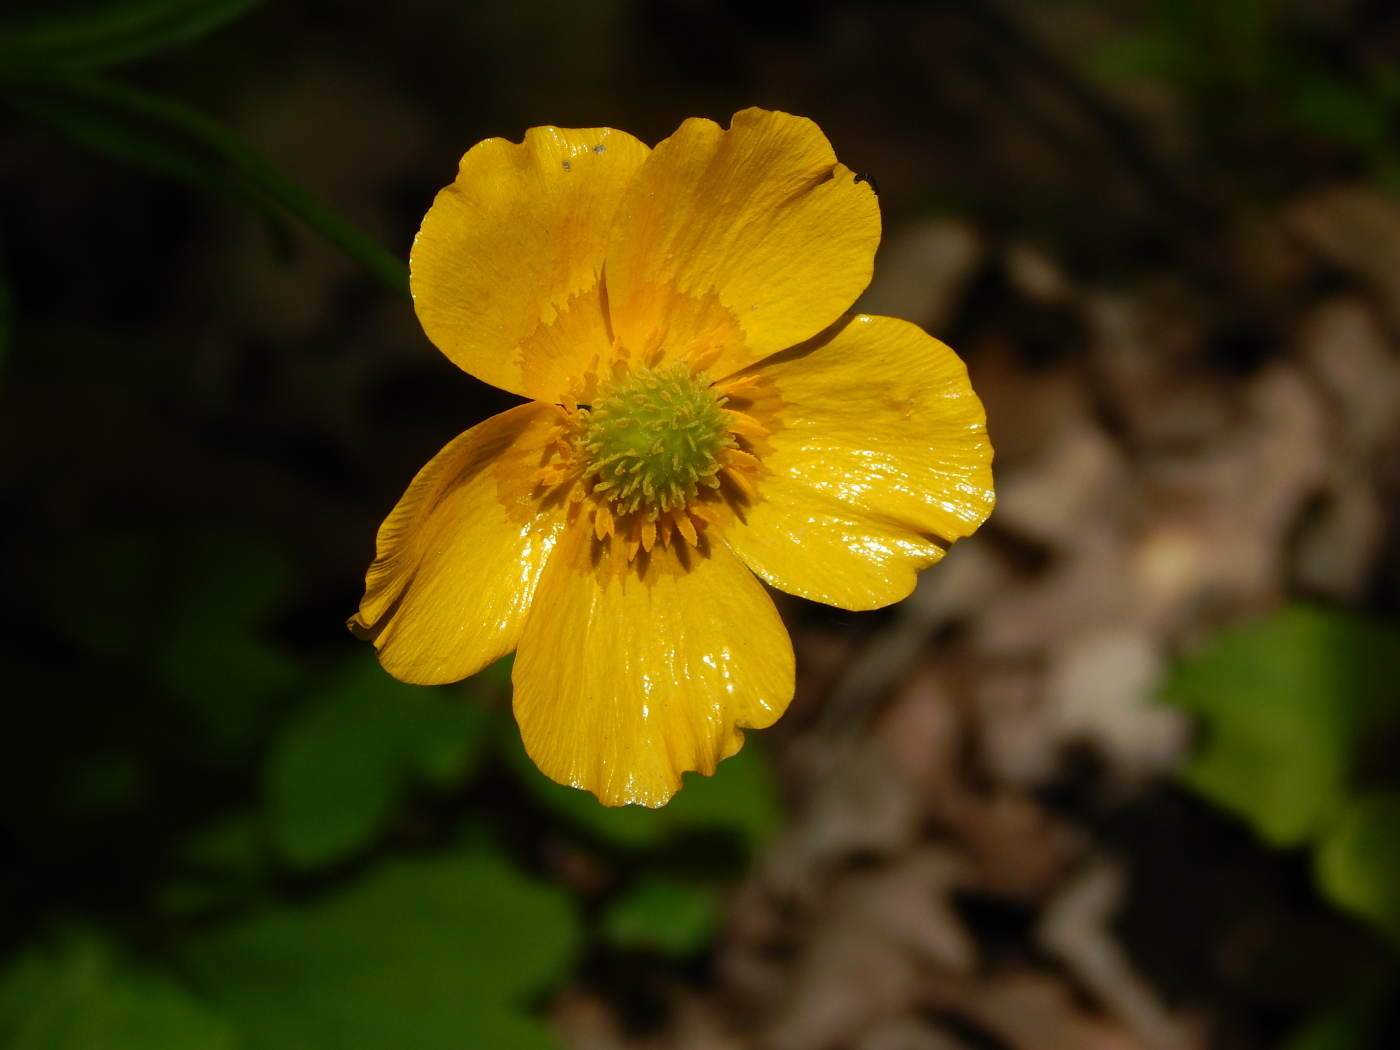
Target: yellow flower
701,414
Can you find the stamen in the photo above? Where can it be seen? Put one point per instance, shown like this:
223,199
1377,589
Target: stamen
602,521
745,424
738,386
686,527
741,459
741,483
640,453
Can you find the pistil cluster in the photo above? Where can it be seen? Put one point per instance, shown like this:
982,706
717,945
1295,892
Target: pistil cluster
649,454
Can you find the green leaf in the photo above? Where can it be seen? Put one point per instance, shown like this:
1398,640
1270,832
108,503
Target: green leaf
1139,58
171,137
192,617
1358,863
99,34
1343,112
224,861
664,914
342,764
738,798
1283,704
426,955
104,596
81,998
210,651
1347,1025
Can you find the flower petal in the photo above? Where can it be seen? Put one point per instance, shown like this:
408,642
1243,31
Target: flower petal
506,271
875,423
461,553
629,674
750,240
807,544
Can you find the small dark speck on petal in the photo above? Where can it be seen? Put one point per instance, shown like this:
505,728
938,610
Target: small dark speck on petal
600,148
566,166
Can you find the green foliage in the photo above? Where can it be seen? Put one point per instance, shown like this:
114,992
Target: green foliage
1346,1025
1287,708
1250,72
342,764
109,32
1285,703
421,955
81,997
1198,43
670,916
224,863
195,623
280,888
1358,862
209,649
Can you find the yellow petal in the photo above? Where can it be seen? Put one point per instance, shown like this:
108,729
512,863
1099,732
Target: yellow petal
459,557
748,240
629,674
506,270
810,545
875,422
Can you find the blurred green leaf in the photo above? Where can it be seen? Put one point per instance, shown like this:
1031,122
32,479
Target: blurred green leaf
81,998
1283,704
169,136
65,760
739,798
105,33
425,955
104,596
341,764
220,863
105,783
1139,58
664,914
1346,1025
1358,863
210,651
1342,111
193,616
1196,43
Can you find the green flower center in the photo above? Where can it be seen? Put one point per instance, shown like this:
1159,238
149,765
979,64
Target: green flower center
655,436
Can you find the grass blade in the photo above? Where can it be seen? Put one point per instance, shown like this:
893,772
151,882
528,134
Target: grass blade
175,138
105,33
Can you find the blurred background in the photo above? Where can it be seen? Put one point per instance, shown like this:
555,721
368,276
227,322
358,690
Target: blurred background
1122,774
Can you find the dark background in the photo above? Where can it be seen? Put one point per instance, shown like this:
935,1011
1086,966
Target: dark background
202,424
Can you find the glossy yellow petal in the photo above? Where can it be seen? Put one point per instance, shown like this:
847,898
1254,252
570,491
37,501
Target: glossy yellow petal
459,557
629,674
875,420
506,270
808,544
748,240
